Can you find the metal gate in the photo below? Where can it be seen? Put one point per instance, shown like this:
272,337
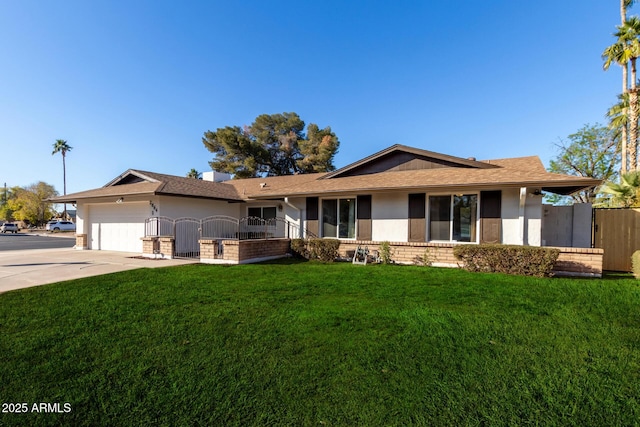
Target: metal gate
187,238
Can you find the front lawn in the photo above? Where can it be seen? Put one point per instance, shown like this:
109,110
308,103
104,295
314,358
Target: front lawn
291,343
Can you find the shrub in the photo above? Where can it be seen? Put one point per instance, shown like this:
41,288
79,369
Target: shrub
299,248
510,259
635,264
324,249
427,259
386,253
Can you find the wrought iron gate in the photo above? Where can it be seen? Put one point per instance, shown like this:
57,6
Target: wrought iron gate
187,238
187,232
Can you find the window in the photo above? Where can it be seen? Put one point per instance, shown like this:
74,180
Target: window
453,217
267,212
339,218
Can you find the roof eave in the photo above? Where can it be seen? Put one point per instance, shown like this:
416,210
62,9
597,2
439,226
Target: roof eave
564,188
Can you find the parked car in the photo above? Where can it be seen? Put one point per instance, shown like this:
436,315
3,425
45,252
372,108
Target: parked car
58,225
9,228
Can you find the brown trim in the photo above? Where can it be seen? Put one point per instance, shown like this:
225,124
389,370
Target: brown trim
312,209
417,217
491,216
363,217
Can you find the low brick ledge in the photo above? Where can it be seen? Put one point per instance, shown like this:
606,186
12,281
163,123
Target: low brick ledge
583,262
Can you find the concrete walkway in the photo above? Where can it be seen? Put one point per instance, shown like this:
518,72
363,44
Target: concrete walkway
23,269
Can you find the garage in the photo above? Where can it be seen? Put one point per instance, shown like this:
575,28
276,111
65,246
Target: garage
117,226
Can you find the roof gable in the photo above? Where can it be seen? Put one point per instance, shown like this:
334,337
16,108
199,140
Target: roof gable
402,158
131,176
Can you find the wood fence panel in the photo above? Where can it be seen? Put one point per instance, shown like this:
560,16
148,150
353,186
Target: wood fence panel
617,231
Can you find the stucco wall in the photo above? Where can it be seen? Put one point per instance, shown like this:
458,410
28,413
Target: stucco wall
510,216
512,227
81,216
389,217
294,212
533,215
179,207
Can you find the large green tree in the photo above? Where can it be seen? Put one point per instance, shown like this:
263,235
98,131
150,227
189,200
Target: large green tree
61,146
274,145
30,203
593,152
6,211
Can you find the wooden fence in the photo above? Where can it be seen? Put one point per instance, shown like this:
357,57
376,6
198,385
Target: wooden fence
617,231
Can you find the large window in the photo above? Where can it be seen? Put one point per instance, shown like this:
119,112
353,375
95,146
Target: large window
339,218
453,217
267,212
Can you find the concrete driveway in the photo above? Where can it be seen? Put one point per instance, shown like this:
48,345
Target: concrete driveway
26,268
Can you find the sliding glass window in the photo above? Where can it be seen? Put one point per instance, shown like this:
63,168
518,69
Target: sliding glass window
464,217
453,217
339,218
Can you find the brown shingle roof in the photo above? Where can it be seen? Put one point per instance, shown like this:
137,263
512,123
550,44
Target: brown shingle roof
190,187
139,188
254,187
516,172
500,173
151,183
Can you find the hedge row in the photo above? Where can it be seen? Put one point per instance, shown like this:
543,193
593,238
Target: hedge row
510,259
322,249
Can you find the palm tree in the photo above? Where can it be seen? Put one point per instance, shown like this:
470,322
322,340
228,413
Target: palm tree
626,194
618,117
628,38
612,54
61,146
625,52
618,114
194,174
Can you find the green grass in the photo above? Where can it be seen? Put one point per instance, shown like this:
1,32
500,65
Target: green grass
311,344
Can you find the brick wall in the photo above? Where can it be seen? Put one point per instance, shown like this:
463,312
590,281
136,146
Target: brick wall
580,262
571,262
82,241
208,249
231,250
249,250
157,247
439,254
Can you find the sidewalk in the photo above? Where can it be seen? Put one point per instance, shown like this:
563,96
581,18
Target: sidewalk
23,269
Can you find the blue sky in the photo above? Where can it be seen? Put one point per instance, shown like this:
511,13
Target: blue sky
135,84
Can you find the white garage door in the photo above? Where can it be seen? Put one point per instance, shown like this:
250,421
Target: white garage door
117,227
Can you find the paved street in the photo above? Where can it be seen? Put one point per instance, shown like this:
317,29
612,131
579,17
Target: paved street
22,241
